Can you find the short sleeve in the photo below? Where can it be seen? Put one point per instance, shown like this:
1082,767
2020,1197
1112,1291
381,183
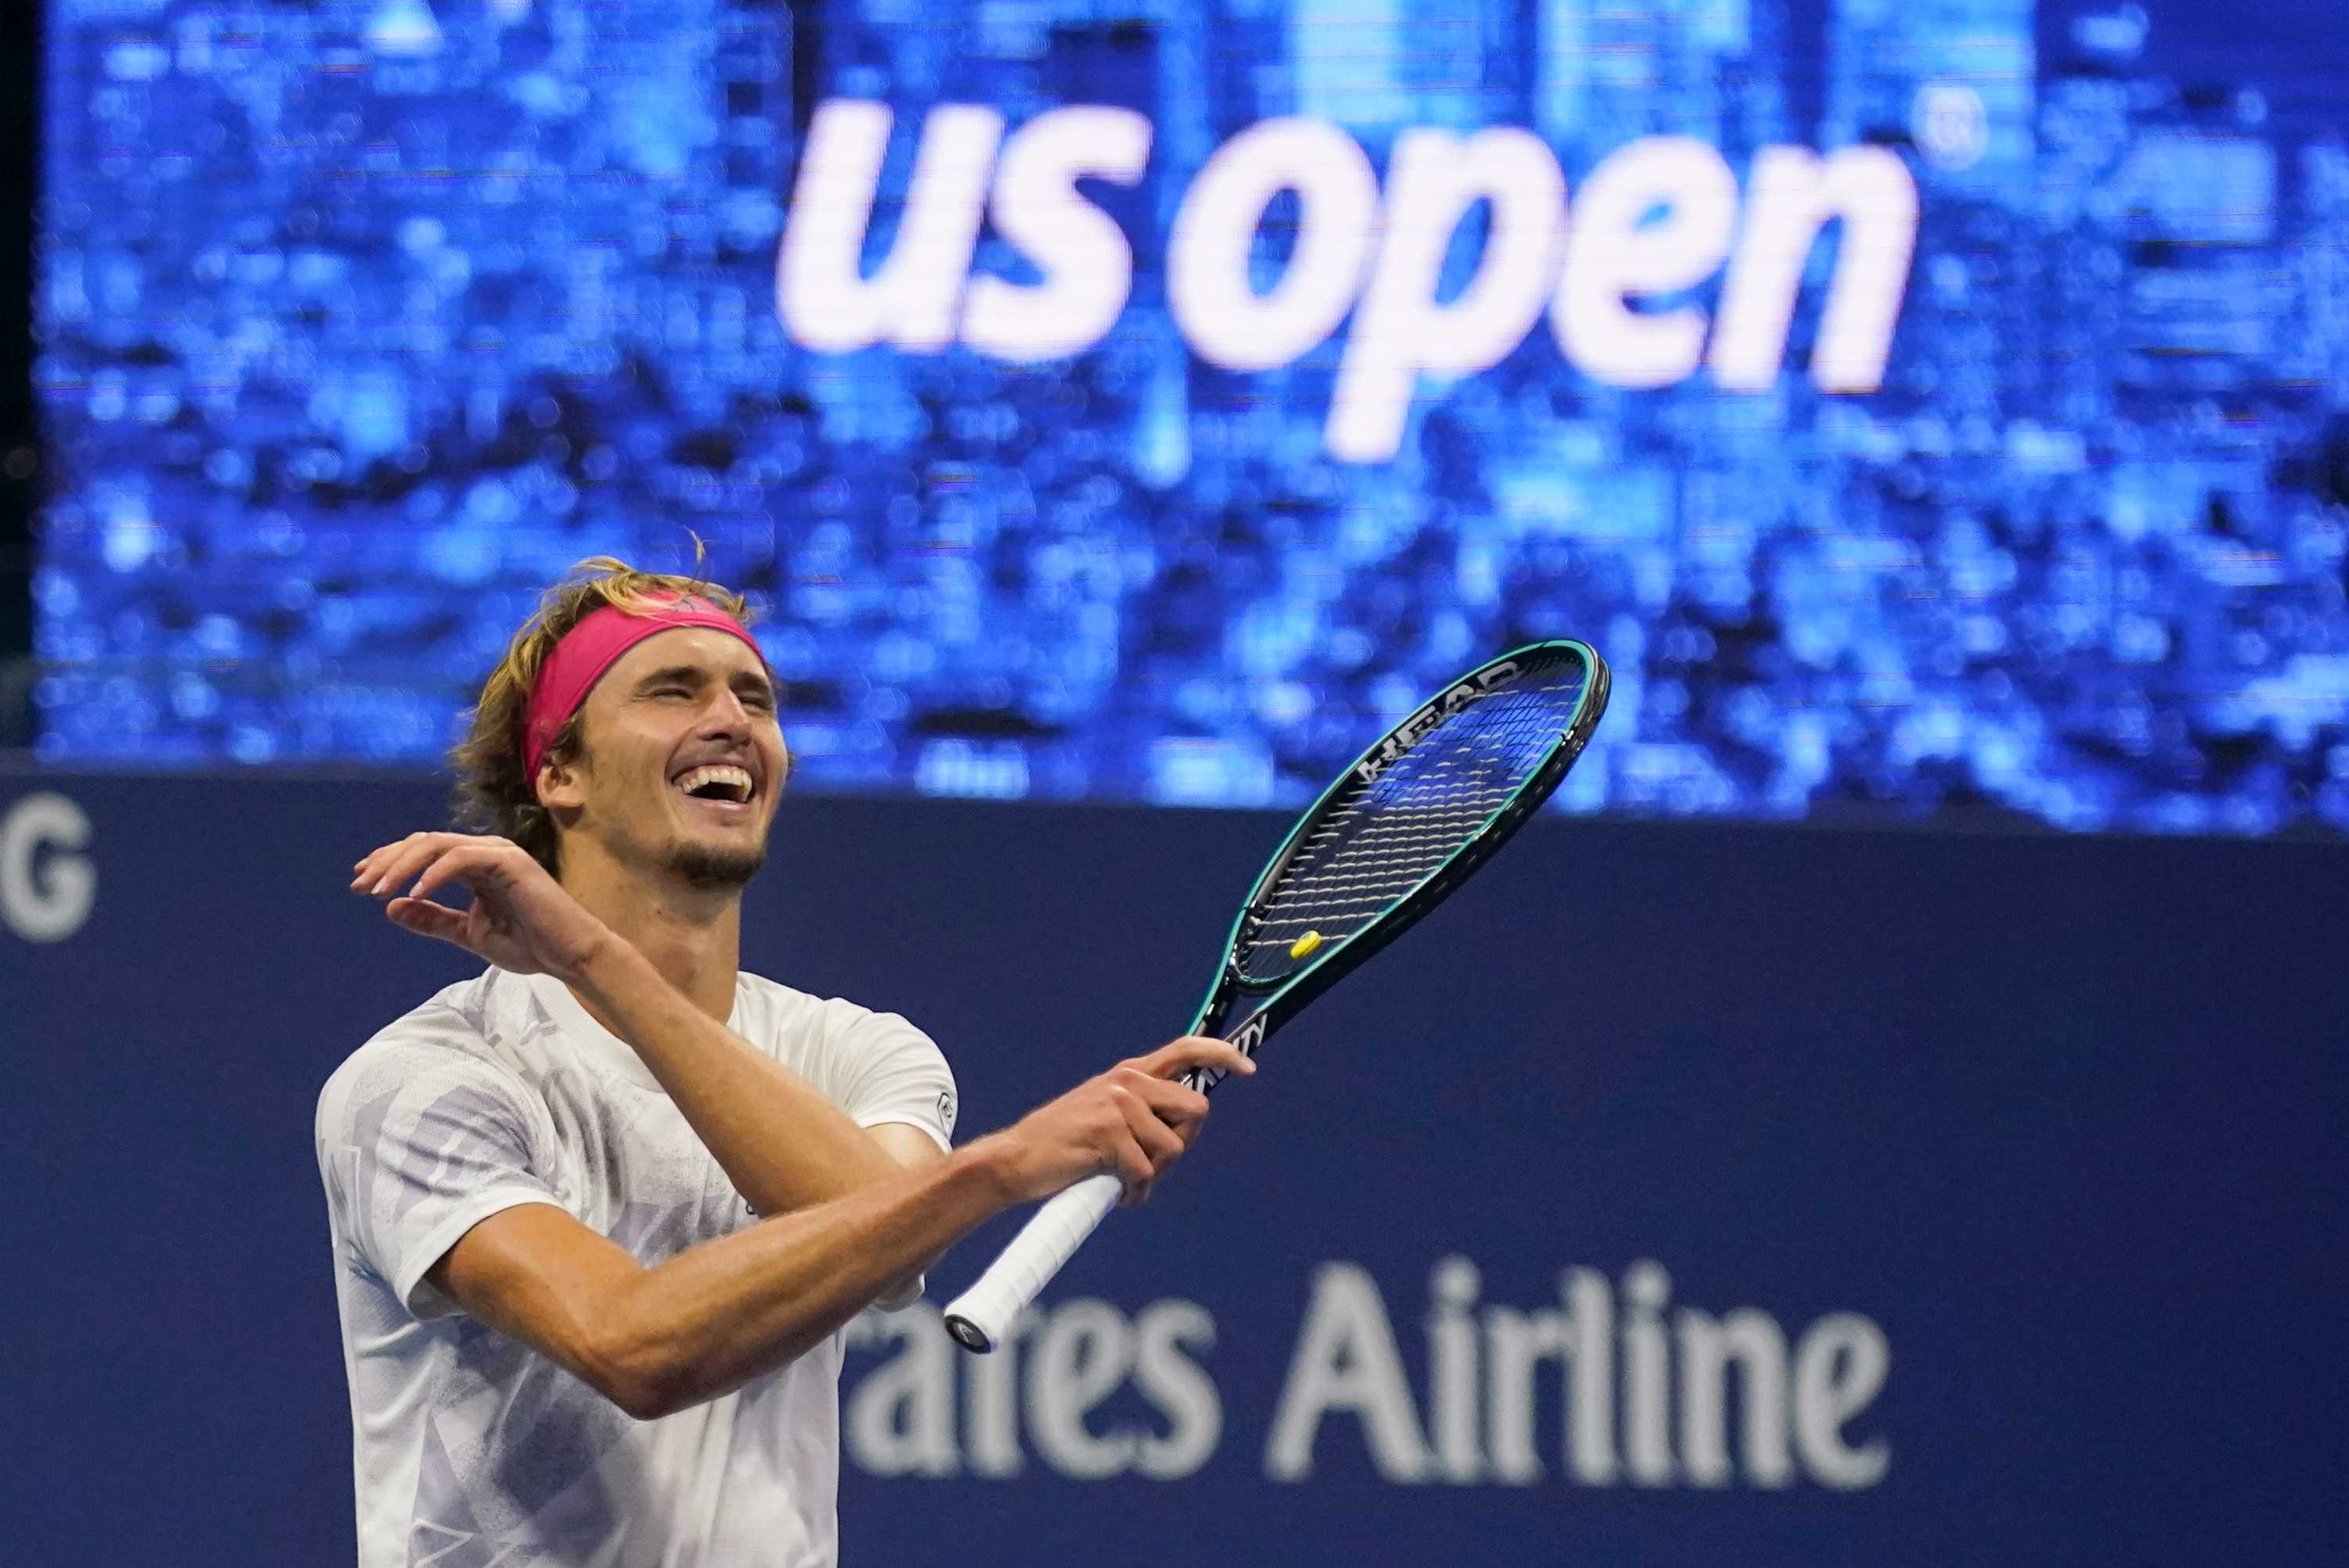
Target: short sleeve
894,1072
417,1144
891,1071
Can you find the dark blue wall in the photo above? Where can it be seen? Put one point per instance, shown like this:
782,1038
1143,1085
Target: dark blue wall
2059,1118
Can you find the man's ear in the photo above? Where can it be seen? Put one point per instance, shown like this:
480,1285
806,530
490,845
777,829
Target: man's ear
559,786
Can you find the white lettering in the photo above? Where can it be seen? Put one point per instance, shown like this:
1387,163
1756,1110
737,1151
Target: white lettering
1435,177
1794,194
1515,1343
1839,1367
1207,286
1178,1386
1707,1346
46,899
1346,1360
900,1415
991,1414
1080,1358
1670,1410
1451,1370
1087,264
1647,1288
1590,1432
900,1418
1654,218
820,293
1580,1339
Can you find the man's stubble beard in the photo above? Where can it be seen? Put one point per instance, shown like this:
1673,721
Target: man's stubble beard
708,870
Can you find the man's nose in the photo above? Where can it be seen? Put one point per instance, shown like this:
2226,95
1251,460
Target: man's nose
726,715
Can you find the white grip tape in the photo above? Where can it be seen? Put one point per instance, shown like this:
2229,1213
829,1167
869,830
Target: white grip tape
980,1316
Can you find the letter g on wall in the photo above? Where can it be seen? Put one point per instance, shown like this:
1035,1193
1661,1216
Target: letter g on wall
47,884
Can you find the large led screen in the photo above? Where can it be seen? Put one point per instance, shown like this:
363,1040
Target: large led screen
1923,404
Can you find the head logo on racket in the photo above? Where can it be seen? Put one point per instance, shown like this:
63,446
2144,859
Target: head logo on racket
1415,728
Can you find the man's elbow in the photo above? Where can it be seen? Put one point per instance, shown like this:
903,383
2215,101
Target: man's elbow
647,1375
649,1398
635,1370
644,1393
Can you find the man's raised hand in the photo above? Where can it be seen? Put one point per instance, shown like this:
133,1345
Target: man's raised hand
521,919
1132,1122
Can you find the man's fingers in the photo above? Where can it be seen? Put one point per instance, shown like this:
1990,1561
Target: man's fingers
368,863
372,872
364,875
1158,1140
1178,1056
461,861
1134,1168
425,918
1177,1104
394,864
383,869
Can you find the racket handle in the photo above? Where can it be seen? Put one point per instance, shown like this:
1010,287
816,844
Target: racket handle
980,1316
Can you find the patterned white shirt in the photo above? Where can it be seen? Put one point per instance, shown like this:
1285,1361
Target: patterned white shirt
471,1450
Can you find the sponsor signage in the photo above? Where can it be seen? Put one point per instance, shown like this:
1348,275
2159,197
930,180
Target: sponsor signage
1646,1392
1604,272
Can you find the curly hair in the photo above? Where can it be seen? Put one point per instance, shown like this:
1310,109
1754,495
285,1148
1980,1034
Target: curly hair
494,794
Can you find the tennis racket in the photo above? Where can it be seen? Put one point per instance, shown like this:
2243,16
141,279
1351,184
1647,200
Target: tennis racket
1395,836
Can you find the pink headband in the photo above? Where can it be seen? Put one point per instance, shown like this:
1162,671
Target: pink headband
590,648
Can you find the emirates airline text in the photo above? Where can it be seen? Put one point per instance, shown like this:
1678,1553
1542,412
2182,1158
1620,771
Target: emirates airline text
1641,1391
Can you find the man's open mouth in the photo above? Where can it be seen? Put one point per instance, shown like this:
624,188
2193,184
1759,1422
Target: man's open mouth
720,781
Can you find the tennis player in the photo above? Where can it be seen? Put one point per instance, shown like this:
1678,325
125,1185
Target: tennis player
599,1213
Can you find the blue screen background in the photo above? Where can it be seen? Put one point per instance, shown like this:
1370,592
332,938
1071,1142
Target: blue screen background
361,320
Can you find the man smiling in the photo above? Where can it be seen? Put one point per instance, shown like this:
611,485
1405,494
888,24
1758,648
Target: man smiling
599,1212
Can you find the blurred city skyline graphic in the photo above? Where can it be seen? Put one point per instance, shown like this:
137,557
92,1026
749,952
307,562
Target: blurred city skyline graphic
360,322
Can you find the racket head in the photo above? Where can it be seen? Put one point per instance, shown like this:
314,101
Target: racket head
1406,822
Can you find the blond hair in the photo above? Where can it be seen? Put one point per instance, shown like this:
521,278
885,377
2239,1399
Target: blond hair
495,793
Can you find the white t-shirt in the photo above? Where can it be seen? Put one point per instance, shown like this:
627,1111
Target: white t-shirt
472,1449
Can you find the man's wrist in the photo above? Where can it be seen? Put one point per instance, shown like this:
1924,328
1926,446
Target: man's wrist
985,1166
601,965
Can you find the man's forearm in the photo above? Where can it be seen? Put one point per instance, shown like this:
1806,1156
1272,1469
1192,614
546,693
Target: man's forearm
784,1144
713,1317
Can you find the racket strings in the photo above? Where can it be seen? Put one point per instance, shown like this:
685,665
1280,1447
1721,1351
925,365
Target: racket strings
1377,843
